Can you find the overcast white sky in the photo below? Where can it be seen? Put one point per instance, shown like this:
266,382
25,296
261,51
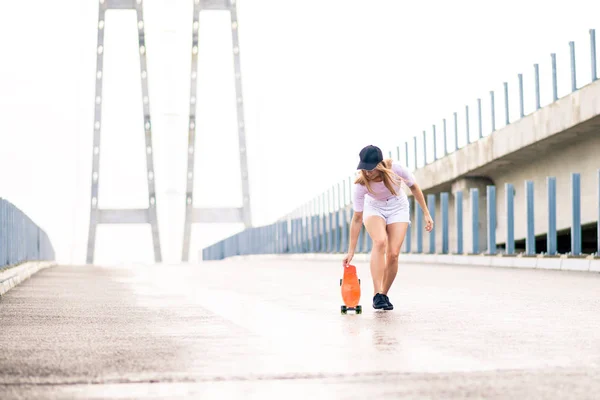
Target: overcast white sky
321,79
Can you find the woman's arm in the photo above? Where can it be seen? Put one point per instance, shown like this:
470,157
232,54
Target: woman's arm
418,195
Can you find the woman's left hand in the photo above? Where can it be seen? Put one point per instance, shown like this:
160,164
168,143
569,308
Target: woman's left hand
428,223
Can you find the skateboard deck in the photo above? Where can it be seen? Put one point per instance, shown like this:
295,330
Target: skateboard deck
350,286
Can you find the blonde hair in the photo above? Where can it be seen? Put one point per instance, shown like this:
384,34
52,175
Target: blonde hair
385,171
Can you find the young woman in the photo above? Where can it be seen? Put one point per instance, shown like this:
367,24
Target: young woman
378,195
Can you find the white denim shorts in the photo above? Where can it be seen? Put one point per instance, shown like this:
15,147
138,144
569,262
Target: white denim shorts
394,209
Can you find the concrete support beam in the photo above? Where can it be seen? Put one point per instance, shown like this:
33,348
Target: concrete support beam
465,185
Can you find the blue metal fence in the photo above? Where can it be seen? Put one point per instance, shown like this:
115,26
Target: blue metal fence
21,239
329,233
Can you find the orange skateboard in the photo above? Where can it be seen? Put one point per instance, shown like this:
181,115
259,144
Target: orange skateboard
350,290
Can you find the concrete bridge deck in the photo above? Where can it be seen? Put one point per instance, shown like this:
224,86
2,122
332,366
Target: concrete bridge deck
272,329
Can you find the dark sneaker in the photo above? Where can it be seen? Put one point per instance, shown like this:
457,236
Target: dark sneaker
379,302
387,300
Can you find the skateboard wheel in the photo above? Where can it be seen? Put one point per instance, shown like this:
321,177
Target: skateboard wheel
340,282
358,309
344,309
359,281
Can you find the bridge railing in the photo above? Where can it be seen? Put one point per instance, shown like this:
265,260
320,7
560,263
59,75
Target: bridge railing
329,232
425,148
468,127
21,239
485,116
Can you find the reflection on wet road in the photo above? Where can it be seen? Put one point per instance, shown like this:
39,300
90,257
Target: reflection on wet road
273,329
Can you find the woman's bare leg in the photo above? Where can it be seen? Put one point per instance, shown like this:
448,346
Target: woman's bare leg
376,229
395,237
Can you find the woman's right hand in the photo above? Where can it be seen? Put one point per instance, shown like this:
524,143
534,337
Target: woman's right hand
348,258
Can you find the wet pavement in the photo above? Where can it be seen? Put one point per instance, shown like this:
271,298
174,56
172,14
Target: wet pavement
273,329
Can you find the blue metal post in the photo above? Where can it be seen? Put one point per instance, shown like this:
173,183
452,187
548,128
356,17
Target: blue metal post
424,148
458,205
265,239
280,248
323,221
291,237
467,124
551,237
275,246
431,206
317,230
491,218
493,111
345,235
398,153
276,229
444,207
455,131
307,233
445,139
360,245
406,154
304,231
479,114
521,97
310,228
338,226
530,239
261,240
419,218
294,235
286,237
298,235
536,68
302,235
576,224
434,144
506,113
593,56
315,234
554,81
328,222
510,218
475,220
573,71
330,233
407,239
415,148
324,232
338,230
